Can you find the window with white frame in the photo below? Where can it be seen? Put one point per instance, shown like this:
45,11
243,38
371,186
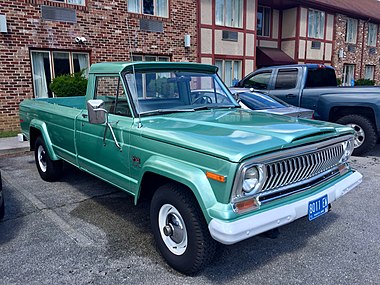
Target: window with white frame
263,21
46,65
158,8
351,30
137,57
372,34
316,24
369,72
75,2
229,13
229,71
348,75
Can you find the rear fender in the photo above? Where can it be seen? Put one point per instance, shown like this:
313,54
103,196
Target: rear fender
41,126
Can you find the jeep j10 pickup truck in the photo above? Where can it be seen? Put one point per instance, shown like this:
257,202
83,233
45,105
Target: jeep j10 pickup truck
173,133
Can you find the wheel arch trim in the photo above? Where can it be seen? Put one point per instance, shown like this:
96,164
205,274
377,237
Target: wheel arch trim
191,177
41,126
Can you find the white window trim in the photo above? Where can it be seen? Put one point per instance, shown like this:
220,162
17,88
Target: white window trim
51,63
372,68
320,26
354,31
347,68
239,20
375,31
68,2
222,73
141,9
270,19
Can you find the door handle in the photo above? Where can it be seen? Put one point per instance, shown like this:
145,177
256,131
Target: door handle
84,116
291,96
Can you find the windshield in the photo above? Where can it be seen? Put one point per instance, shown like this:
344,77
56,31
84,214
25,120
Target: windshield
177,91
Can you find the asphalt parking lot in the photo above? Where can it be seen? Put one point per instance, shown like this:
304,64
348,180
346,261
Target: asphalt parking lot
83,231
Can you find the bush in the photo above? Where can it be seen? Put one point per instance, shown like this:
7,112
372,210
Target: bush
364,82
69,85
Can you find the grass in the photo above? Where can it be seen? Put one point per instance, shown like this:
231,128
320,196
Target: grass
6,134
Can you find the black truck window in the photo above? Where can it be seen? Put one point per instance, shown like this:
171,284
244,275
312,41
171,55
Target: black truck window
258,81
320,77
286,79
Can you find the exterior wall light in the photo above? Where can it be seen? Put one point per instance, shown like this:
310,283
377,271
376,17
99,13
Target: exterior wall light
187,41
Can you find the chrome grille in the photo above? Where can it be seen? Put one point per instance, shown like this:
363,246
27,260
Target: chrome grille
295,170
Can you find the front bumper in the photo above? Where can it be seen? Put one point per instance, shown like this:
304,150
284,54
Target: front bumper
233,232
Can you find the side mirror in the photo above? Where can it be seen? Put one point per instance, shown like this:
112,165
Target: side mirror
236,97
96,113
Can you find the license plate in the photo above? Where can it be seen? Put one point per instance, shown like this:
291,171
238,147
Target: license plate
318,207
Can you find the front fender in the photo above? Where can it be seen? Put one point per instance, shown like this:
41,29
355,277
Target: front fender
41,126
192,177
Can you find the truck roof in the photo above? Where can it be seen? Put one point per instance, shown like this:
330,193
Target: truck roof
118,67
308,65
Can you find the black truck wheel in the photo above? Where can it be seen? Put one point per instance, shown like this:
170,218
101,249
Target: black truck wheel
365,134
49,170
180,230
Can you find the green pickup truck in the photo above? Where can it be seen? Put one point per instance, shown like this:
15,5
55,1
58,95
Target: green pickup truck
174,134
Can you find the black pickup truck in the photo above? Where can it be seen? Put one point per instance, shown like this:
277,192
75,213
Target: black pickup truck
314,86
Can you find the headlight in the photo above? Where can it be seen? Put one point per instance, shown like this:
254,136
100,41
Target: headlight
348,148
252,179
248,185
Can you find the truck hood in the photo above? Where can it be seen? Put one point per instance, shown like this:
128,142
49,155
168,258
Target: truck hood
236,134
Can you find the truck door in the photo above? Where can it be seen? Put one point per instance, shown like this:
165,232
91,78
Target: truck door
97,150
286,84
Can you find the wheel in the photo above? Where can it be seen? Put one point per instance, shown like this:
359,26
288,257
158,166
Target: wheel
49,170
365,135
180,230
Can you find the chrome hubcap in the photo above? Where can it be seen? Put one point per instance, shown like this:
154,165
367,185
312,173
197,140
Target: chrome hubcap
172,229
359,136
41,154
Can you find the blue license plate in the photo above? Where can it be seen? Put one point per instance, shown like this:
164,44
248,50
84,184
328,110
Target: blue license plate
318,207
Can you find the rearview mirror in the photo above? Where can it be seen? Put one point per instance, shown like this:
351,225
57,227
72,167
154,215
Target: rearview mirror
96,113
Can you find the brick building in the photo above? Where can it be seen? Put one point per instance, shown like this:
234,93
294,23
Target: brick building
41,39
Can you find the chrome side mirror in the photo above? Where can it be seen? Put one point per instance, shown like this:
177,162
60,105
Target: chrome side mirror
96,113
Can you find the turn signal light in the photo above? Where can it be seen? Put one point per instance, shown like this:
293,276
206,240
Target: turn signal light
216,177
246,205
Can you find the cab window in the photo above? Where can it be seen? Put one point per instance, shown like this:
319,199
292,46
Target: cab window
258,81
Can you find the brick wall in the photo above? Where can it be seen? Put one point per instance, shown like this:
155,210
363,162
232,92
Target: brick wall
111,33
361,56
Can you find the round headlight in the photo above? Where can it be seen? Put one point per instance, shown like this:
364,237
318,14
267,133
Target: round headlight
348,148
251,179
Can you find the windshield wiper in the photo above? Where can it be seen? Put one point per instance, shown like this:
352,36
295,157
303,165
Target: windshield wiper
210,107
165,111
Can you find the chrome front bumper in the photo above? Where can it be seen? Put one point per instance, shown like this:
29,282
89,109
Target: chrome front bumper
233,232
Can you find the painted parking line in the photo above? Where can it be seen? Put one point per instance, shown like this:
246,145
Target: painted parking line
79,238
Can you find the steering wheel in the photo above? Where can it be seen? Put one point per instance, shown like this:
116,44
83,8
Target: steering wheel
204,99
